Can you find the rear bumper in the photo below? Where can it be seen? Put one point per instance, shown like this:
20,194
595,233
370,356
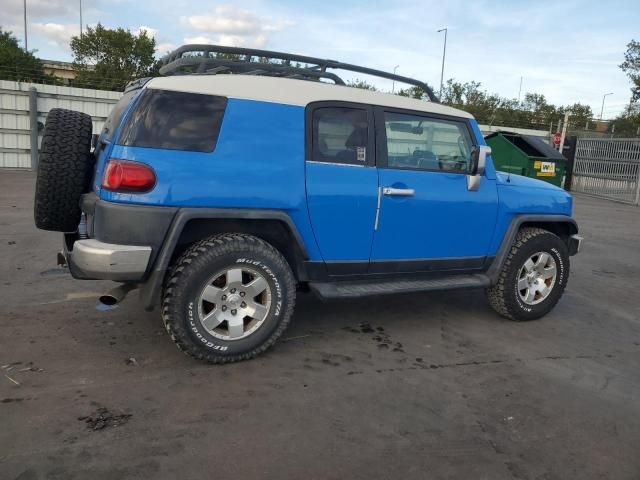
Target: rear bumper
90,259
575,244
123,242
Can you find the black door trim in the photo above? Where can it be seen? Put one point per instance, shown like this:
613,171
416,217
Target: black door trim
339,270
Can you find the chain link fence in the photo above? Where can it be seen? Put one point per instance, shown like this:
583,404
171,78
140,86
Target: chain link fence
608,168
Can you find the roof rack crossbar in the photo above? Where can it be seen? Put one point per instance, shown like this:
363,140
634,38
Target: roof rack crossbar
212,66
214,70
207,58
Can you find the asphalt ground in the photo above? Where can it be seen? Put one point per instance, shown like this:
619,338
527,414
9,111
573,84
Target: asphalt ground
432,385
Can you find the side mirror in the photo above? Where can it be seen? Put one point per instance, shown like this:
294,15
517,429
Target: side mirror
479,159
477,166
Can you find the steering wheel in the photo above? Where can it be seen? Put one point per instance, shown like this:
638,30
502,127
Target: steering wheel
425,162
452,164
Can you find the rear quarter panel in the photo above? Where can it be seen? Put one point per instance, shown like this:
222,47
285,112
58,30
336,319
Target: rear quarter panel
258,163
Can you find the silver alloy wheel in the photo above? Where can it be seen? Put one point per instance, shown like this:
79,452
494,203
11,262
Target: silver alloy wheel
536,278
234,303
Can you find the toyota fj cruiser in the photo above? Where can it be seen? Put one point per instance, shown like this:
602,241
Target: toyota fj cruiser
218,195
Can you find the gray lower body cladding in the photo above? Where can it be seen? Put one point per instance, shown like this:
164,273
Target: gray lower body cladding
120,235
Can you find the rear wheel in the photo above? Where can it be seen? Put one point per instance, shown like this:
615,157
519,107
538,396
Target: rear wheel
228,298
533,277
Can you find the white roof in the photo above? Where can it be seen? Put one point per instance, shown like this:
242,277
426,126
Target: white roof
292,92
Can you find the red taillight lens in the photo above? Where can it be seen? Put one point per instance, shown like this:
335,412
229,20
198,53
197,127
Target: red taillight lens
124,176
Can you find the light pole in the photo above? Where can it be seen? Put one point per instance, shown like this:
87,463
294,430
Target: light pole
444,53
602,109
393,85
520,90
26,46
80,18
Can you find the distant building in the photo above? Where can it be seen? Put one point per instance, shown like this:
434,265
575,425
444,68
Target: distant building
61,70
599,126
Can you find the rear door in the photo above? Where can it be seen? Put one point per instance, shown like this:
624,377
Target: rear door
429,218
342,182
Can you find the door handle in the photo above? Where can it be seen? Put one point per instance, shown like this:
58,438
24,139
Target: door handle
399,192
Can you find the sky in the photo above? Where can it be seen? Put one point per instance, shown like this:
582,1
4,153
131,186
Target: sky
567,50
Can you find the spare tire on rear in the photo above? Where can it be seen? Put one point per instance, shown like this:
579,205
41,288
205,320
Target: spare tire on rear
64,169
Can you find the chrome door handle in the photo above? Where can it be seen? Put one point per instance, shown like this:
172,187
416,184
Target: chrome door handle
399,192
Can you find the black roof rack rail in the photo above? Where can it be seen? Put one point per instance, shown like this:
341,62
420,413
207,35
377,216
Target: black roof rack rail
214,59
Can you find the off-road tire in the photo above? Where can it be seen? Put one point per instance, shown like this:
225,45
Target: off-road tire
188,276
503,296
64,169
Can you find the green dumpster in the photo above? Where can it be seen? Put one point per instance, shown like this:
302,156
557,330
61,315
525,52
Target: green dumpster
528,156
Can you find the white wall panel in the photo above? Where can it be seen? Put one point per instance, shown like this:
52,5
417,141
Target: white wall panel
14,114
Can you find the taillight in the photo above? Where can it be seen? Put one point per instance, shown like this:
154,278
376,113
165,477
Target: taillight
125,176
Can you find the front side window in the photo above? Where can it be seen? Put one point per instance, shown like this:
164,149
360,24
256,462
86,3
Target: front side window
340,135
424,143
174,121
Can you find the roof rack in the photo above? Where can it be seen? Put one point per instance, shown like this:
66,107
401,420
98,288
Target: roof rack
215,59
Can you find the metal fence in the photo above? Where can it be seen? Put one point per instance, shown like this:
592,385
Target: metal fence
24,108
608,168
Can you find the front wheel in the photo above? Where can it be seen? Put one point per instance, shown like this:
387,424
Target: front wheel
533,276
228,298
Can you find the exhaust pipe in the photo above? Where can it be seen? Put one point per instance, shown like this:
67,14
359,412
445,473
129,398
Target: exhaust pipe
113,297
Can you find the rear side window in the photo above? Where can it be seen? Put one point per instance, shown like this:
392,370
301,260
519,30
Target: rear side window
340,135
174,121
115,116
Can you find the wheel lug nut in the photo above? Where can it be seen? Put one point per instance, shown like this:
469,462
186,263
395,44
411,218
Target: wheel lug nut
224,297
233,312
242,294
233,290
243,305
224,308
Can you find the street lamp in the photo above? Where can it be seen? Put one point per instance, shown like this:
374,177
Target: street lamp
444,53
26,45
393,85
603,97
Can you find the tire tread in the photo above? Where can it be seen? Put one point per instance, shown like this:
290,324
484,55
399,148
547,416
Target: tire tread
63,170
216,245
497,294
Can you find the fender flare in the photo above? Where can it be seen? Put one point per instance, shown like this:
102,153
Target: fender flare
151,289
509,237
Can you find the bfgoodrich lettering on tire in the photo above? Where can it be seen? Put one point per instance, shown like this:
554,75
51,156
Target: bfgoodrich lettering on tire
533,276
228,298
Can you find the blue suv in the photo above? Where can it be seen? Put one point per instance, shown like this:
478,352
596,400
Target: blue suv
239,177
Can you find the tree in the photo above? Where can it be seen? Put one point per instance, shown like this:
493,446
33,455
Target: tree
109,59
625,125
16,64
413,92
468,96
534,111
579,114
363,84
631,66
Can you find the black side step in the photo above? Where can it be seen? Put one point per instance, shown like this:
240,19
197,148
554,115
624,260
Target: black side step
345,289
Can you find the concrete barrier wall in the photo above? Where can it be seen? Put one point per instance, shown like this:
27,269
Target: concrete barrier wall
16,117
